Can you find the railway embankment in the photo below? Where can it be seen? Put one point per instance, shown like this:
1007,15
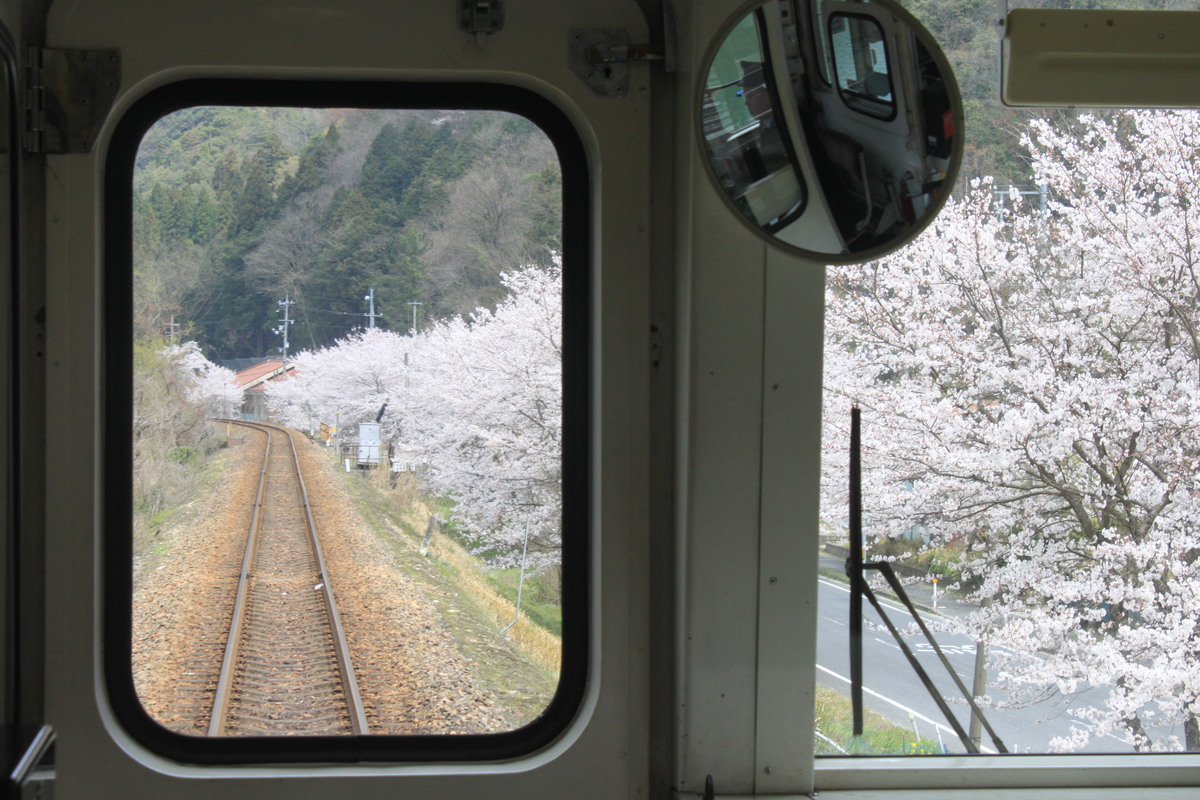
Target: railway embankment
428,653
518,667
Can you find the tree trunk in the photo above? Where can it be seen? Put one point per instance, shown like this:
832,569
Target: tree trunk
1141,742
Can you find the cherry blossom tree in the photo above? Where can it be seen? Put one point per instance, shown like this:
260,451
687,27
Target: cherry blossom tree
176,392
344,384
206,384
475,403
1031,389
486,416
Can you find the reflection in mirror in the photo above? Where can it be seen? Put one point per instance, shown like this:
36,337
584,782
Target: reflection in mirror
833,126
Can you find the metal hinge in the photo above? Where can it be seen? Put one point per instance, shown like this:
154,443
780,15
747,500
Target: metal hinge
68,96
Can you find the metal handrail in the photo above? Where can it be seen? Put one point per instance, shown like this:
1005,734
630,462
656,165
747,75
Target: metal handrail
41,744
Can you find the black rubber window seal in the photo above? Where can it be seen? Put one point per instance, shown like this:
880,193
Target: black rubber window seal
117,372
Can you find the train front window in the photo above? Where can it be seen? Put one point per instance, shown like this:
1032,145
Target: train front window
860,62
1028,459
350,489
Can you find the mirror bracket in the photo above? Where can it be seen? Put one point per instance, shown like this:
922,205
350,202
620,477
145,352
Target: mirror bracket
601,57
607,79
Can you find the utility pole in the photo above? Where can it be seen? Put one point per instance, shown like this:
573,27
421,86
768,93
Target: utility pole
371,315
414,305
978,689
286,303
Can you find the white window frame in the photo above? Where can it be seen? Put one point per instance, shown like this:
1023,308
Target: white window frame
748,464
165,41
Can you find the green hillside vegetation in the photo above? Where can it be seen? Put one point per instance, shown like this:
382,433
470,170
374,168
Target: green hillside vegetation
236,209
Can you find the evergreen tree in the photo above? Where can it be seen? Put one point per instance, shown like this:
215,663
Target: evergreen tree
386,171
226,175
314,162
254,204
207,218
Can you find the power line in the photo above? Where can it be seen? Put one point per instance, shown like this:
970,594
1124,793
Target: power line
331,311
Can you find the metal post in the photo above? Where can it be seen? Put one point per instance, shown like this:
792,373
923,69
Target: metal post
286,303
520,579
854,568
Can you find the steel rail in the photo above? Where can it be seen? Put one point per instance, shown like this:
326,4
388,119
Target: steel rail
216,723
354,703
358,719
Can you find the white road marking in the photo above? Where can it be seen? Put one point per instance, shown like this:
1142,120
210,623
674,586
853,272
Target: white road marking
966,650
903,708
846,589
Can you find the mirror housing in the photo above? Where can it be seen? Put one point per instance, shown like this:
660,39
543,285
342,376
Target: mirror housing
832,128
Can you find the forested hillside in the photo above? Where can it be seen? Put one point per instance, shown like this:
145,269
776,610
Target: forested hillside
969,33
240,209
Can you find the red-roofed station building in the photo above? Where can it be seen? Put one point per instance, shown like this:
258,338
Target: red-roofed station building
253,379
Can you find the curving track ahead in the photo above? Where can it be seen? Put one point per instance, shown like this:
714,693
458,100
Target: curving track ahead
286,668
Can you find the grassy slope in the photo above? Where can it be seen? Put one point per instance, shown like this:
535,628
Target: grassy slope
521,666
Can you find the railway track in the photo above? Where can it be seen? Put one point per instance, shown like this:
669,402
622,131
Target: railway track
286,668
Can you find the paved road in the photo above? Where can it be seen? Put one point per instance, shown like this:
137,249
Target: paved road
892,689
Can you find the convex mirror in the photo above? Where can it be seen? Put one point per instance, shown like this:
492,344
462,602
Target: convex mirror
832,127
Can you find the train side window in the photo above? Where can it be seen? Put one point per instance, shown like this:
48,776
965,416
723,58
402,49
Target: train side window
353,350
860,63
1036,520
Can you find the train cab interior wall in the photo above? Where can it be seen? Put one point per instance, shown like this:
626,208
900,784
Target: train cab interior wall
565,305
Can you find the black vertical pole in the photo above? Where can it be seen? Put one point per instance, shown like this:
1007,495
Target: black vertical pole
854,570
